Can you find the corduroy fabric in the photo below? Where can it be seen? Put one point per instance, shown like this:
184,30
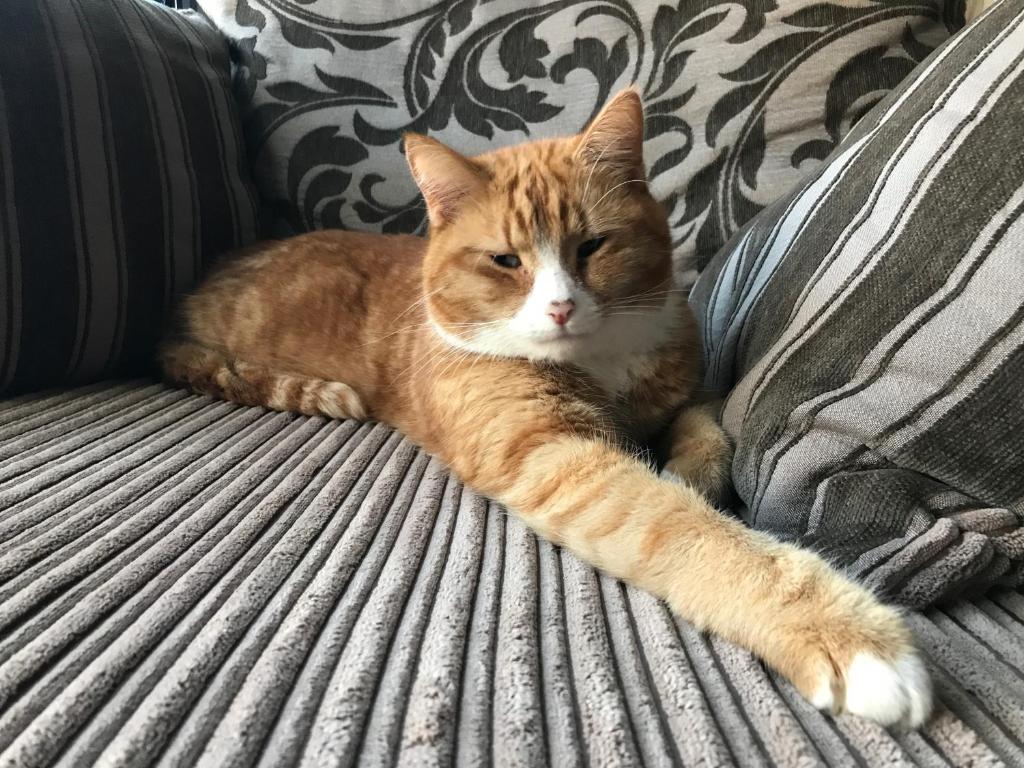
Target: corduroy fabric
188,582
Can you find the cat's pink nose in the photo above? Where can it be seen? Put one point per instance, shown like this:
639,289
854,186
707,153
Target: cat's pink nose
559,311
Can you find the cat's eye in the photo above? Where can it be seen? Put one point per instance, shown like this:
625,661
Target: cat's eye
589,247
506,260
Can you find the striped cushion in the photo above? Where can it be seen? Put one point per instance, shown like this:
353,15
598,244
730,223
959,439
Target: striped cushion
121,173
872,326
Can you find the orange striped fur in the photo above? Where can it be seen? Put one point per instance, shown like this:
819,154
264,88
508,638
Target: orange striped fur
531,373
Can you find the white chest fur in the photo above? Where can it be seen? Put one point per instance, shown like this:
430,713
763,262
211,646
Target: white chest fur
629,348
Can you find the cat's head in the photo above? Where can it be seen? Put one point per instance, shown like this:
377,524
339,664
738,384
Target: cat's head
549,250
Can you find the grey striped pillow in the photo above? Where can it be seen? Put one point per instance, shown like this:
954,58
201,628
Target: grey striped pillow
121,173
870,328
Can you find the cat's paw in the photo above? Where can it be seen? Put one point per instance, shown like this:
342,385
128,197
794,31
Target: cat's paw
701,453
844,649
703,464
894,692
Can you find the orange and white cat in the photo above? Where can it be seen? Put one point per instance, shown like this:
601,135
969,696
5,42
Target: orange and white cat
528,342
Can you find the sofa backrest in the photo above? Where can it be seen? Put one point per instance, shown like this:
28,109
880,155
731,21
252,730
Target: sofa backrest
742,98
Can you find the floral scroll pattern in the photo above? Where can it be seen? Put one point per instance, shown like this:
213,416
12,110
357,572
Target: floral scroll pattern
743,97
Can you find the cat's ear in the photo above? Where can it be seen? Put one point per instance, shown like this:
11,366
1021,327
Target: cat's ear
615,138
446,178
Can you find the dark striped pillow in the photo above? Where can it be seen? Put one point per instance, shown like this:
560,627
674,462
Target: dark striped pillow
871,330
121,174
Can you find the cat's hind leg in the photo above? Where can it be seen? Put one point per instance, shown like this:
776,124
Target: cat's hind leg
699,452
207,371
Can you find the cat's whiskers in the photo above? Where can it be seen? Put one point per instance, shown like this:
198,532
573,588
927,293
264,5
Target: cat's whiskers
630,314
648,300
459,360
455,362
421,300
377,340
446,353
420,326
476,324
620,184
421,365
638,304
641,301
415,326
593,167
476,360
655,292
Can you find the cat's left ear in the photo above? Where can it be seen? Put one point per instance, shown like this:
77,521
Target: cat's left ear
615,138
446,178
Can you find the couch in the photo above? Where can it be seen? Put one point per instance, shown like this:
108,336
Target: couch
185,581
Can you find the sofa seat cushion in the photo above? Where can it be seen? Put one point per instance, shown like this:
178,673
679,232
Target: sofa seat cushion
193,582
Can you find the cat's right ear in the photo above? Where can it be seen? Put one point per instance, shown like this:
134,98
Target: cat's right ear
446,178
615,138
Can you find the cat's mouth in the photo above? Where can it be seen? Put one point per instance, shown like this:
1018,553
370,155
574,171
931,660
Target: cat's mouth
560,335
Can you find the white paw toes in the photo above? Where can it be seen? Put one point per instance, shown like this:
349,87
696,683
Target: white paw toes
891,693
822,698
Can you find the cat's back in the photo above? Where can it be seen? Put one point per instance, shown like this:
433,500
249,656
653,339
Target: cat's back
338,266
335,246
325,285
332,249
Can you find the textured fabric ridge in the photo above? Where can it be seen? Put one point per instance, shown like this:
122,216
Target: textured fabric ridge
187,582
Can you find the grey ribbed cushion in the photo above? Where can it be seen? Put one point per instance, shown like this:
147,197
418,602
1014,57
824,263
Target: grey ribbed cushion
869,330
187,582
122,174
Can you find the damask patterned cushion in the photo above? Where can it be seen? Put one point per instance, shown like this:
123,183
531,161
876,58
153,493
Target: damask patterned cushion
121,171
744,97
869,329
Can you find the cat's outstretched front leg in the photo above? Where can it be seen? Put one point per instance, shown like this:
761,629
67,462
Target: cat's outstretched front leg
841,647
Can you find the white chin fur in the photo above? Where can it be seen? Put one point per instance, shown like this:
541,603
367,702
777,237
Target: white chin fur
890,693
607,347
